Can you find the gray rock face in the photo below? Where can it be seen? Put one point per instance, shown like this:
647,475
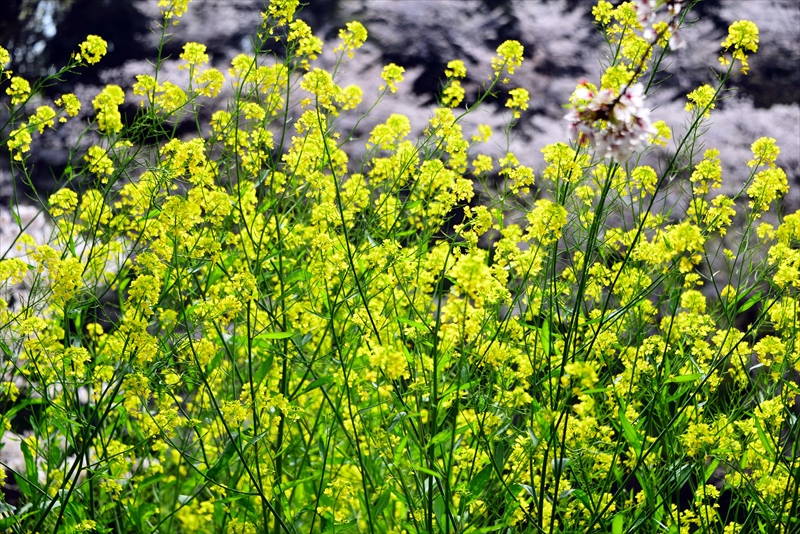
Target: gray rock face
561,43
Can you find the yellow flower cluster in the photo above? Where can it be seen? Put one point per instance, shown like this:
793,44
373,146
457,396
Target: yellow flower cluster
92,49
743,38
392,74
509,57
109,119
353,36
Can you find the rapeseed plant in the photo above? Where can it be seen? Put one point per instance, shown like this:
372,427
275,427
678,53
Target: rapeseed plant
245,331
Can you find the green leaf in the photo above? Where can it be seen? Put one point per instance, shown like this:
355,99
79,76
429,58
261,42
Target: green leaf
710,469
425,470
683,378
631,436
223,460
263,369
318,383
750,302
617,524
480,480
415,324
274,335
401,447
383,500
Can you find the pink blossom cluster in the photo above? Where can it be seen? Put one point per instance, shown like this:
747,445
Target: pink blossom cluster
614,124
648,14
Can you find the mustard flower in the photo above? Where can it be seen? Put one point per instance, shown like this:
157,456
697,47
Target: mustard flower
453,94
455,69
254,111
616,77
171,97
708,173
742,37
602,12
99,162
351,96
385,136
5,57
509,57
43,118
563,163
62,201
645,179
194,54
482,163
319,82
12,270
663,134
308,45
767,185
765,152
353,36
145,85
174,8
209,82
106,104
71,105
484,133
546,221
282,11
19,141
720,214
19,90
702,99
392,74
92,49
518,101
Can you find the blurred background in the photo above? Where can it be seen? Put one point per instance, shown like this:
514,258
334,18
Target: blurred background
562,46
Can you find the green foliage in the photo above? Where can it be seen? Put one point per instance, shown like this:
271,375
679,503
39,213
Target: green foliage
245,331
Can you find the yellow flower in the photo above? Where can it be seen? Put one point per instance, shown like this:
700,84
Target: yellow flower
765,152
5,57
768,185
353,36
453,94
518,101
351,96
19,90
209,82
546,221
106,104
174,8
92,49
702,99
742,37
62,201
484,133
483,163
509,57
71,105
392,74
708,173
616,77
308,45
43,118
455,69
99,162
281,10
663,136
602,12
194,54
19,141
